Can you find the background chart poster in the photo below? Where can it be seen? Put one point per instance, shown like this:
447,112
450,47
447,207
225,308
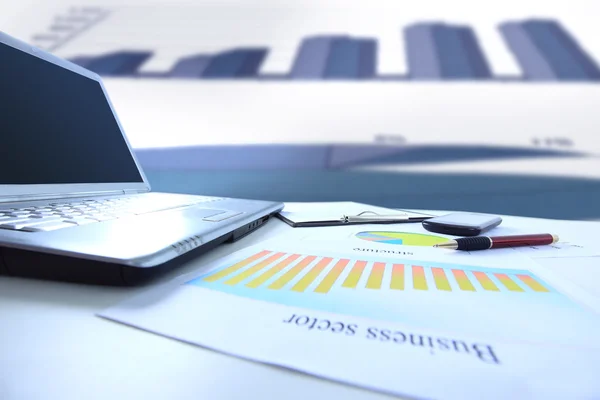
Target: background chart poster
457,105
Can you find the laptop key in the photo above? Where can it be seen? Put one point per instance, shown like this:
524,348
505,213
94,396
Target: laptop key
79,221
47,226
11,220
18,225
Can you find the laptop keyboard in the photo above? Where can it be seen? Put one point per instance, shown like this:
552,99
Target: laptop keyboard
67,214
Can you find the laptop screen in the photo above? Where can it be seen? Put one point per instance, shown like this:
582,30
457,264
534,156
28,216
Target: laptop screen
57,126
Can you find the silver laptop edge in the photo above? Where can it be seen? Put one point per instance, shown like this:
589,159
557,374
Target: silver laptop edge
181,234
14,193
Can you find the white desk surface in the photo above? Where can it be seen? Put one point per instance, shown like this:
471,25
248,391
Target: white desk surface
52,346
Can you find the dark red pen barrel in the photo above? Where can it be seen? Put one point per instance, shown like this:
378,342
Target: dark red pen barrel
521,240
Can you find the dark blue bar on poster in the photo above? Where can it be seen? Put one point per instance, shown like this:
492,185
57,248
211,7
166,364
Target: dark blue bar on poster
421,53
343,61
439,51
367,63
475,57
351,58
252,63
234,64
454,63
533,63
190,67
565,57
122,63
579,55
312,57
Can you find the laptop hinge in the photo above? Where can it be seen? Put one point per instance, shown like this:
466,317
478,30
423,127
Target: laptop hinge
52,196
133,191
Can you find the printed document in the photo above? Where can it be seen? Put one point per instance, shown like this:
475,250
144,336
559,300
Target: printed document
405,321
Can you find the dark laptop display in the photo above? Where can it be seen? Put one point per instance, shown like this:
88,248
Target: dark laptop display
57,126
74,203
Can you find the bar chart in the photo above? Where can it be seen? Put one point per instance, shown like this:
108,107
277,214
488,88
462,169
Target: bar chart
470,297
301,273
543,48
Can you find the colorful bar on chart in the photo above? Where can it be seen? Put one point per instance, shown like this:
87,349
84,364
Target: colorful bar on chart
354,275
332,276
463,280
291,274
397,282
311,275
509,283
441,282
532,283
419,281
235,267
374,281
254,269
485,281
256,282
275,270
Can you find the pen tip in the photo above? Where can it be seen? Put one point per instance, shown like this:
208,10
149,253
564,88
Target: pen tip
447,245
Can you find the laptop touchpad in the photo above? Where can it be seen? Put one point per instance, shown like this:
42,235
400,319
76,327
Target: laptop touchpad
194,212
212,215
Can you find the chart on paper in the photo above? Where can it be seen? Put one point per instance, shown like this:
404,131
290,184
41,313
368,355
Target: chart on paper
401,238
510,302
302,273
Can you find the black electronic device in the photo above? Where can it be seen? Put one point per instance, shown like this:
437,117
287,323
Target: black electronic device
462,223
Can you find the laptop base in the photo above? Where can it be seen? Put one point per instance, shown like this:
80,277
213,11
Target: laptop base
30,264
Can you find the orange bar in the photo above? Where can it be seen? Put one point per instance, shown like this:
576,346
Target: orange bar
532,283
509,283
441,282
354,275
332,276
252,270
463,280
485,281
291,274
265,276
235,267
311,275
397,282
419,281
374,281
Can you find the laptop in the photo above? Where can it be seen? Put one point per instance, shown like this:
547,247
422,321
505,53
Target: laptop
75,204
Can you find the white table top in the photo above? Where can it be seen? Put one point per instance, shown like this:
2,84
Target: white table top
52,346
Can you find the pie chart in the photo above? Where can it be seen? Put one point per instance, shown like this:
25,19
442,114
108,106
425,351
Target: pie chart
401,238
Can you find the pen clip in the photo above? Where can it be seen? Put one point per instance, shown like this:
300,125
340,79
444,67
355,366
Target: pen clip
360,217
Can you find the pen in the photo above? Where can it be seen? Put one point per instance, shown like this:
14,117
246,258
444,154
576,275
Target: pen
497,242
374,218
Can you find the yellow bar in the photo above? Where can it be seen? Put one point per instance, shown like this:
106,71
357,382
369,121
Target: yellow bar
441,282
254,269
235,267
374,281
354,275
332,276
311,275
397,282
509,283
288,276
256,282
419,281
485,281
532,283
463,280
